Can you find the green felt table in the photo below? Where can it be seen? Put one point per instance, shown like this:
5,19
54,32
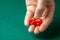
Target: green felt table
12,13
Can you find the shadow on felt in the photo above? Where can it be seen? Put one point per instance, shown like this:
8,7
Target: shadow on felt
51,32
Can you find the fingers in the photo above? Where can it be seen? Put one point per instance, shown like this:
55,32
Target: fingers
29,13
47,20
46,12
31,28
45,24
36,31
40,8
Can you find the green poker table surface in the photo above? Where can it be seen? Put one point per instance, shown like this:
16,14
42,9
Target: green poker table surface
12,13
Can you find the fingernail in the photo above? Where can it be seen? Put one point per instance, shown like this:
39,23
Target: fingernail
31,28
36,31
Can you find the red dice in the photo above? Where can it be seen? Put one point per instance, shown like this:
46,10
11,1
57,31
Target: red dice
38,22
34,21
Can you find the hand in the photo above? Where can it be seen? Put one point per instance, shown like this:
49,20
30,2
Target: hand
43,9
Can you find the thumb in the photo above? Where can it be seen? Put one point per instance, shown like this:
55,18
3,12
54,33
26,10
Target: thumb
40,8
29,13
30,6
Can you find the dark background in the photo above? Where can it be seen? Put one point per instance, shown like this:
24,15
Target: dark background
12,13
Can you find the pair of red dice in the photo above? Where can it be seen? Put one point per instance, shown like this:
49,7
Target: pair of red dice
34,21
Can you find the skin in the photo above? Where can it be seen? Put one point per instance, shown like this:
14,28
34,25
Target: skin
43,9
